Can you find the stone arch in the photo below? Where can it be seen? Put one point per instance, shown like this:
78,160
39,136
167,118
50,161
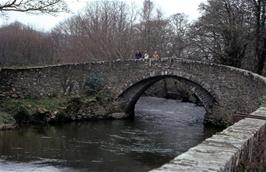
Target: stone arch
129,97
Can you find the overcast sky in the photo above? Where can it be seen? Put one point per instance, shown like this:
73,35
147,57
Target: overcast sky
46,22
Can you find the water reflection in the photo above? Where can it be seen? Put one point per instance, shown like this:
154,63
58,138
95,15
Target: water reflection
161,130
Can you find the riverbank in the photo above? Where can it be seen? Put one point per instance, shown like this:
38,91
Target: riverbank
48,110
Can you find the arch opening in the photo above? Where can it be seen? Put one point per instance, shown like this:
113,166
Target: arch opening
131,95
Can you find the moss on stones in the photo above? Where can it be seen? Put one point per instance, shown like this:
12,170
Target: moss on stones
58,109
262,101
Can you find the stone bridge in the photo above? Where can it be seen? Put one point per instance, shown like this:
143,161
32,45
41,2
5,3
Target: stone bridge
224,91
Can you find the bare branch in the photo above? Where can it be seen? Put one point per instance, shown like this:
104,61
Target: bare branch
34,6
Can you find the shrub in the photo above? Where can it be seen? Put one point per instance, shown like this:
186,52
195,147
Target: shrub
6,118
93,83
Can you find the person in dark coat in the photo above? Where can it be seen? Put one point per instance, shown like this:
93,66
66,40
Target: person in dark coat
138,55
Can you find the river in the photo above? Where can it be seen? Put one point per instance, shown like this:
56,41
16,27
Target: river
161,130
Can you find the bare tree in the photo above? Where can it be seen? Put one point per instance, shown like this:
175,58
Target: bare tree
178,26
146,25
21,45
106,30
152,29
103,32
35,6
259,15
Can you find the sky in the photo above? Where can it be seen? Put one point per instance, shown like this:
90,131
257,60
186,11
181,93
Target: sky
47,22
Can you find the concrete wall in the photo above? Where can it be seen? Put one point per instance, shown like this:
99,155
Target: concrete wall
239,148
234,90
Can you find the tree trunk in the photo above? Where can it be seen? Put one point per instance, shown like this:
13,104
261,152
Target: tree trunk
260,44
261,59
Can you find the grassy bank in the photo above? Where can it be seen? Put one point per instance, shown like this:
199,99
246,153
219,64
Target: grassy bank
56,109
19,111
32,105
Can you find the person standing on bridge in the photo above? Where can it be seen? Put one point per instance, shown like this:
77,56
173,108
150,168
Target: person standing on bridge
138,55
155,55
146,55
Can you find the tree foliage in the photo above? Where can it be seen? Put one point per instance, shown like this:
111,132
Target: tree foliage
231,32
221,31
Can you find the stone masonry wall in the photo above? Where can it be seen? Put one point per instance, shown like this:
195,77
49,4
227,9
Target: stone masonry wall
235,90
239,148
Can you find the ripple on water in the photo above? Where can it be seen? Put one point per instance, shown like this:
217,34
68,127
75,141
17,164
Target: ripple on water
162,129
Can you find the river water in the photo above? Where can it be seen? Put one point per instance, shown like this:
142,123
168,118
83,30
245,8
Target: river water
161,130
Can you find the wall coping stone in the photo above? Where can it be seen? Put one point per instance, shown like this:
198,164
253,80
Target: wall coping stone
261,112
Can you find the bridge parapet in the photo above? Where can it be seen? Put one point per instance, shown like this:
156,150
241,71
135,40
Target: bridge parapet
241,147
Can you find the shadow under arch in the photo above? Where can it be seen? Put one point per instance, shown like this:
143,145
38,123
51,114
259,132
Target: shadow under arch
129,97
